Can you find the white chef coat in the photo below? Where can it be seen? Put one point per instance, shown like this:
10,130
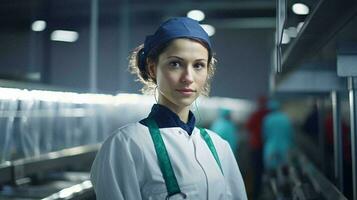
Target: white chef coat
126,167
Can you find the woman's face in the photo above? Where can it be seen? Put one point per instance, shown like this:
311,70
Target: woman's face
181,73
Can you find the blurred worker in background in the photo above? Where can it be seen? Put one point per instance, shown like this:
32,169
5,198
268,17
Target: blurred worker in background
277,136
254,128
226,128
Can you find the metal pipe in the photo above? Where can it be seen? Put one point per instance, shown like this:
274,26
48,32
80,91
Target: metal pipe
93,48
124,36
337,138
321,136
352,97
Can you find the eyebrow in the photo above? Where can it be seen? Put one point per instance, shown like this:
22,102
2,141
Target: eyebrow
202,59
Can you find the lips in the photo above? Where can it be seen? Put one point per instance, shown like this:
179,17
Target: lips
186,91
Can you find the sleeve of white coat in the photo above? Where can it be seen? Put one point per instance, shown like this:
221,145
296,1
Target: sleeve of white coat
113,172
233,176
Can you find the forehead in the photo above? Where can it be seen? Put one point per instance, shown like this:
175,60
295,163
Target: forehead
186,48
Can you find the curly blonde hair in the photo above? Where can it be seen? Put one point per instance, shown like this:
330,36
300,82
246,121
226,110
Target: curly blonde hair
149,84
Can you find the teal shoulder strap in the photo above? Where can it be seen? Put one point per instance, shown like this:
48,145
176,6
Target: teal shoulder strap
210,144
164,160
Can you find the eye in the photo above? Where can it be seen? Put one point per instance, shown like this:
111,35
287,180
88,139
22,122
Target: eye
200,65
174,64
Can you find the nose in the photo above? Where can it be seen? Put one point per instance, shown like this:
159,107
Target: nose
187,75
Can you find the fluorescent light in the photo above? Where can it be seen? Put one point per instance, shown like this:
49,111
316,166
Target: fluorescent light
34,76
86,184
67,192
291,31
286,38
210,30
299,26
196,15
56,96
38,25
300,9
64,36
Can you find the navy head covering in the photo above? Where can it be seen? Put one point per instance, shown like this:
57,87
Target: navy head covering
180,27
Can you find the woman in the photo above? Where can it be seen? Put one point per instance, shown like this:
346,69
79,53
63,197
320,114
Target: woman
164,156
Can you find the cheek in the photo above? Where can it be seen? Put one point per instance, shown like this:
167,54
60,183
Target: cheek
165,79
202,79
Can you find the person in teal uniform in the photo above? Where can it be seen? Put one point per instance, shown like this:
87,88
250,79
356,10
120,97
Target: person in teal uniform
277,136
226,128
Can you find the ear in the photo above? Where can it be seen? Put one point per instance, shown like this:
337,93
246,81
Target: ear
152,69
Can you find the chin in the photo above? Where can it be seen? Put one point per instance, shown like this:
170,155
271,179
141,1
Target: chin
185,102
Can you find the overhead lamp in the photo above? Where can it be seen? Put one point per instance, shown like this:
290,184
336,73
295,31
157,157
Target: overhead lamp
286,38
38,25
300,9
196,15
64,36
291,31
299,26
210,30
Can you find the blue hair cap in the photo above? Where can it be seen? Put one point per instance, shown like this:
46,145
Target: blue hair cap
179,27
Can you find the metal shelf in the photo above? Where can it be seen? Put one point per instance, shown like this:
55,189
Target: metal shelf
59,160
54,160
328,18
320,183
5,172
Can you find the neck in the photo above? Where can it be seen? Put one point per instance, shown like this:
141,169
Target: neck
181,111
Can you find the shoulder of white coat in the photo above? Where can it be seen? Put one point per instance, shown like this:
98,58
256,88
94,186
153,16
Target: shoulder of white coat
132,129
129,132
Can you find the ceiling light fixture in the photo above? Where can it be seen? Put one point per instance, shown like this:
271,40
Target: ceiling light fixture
210,30
38,25
196,15
286,38
64,36
300,9
292,32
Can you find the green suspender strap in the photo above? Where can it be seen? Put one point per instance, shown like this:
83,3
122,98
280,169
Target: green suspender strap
211,147
164,161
